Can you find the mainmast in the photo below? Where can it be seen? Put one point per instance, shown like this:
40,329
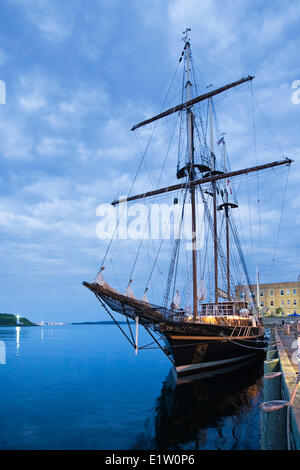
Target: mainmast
214,187
191,173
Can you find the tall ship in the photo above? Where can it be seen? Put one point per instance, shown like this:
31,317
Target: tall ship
201,321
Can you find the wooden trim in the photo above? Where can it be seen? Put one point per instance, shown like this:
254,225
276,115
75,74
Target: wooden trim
220,338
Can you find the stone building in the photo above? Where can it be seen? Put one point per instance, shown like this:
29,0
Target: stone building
276,298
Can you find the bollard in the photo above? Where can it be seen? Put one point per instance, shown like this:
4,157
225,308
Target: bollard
271,365
272,386
273,425
272,354
286,329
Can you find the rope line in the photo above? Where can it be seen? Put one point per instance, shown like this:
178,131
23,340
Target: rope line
280,221
139,167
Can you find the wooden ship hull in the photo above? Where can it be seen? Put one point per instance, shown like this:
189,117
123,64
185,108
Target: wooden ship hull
209,349
190,346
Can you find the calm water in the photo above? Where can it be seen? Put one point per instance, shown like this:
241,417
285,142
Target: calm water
82,387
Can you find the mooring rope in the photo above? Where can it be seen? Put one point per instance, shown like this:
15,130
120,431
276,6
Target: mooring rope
245,346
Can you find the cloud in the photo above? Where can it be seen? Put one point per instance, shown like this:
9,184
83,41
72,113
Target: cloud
3,56
54,19
52,146
210,27
15,143
32,102
36,90
91,70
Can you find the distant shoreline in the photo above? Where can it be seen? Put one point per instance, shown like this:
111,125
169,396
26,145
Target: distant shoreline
8,319
108,322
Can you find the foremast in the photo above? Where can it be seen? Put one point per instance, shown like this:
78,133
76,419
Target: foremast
191,173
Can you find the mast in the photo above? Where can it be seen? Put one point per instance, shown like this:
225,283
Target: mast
213,161
227,224
193,101
257,290
190,148
227,247
226,206
205,180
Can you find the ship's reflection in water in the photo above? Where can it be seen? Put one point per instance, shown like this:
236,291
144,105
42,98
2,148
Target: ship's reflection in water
214,410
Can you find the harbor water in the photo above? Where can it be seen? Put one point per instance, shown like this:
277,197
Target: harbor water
82,387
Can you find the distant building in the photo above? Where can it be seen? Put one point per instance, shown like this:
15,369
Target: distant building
276,298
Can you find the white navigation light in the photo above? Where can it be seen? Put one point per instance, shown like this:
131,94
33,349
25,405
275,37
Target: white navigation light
17,340
2,353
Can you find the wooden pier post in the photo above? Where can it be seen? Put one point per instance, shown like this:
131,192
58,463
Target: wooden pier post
271,365
286,329
272,386
273,425
272,354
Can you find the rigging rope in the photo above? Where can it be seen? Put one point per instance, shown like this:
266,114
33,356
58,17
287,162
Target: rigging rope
175,256
280,220
153,198
257,176
139,167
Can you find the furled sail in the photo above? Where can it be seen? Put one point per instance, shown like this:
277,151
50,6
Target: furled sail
222,294
244,311
202,293
176,300
99,279
128,291
145,298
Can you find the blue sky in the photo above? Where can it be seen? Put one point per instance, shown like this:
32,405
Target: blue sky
78,76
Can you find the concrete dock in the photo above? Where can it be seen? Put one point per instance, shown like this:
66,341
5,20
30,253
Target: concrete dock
287,344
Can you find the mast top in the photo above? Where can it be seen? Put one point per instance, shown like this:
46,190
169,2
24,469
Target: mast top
193,101
185,37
